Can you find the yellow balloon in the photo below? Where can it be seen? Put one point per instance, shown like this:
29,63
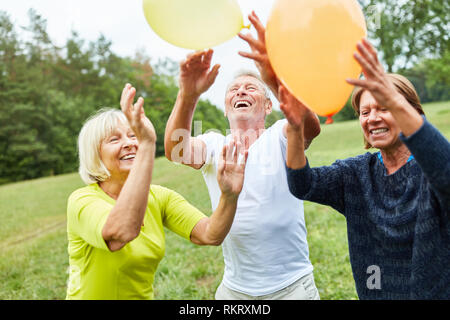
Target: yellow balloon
310,44
194,24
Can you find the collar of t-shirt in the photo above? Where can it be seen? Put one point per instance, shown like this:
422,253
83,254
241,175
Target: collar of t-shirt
381,158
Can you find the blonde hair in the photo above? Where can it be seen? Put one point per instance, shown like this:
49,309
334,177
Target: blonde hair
403,86
94,131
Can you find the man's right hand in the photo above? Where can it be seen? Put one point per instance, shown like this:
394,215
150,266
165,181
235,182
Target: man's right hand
195,74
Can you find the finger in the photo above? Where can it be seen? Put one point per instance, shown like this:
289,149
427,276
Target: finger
282,92
370,48
139,106
254,44
374,55
127,106
246,143
124,91
258,26
237,151
365,53
366,67
359,83
194,58
212,75
229,155
252,55
245,159
207,57
222,159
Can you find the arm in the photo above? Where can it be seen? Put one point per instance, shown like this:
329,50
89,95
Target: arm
230,176
297,115
324,185
383,90
260,57
259,54
431,150
125,219
195,78
311,129
429,147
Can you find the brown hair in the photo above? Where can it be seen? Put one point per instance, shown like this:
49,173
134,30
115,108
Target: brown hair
403,86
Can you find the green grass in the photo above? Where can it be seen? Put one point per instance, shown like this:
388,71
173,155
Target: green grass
33,243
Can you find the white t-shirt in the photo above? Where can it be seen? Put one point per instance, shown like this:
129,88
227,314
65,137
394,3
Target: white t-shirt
266,249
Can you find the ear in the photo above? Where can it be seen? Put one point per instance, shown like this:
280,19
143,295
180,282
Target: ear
268,106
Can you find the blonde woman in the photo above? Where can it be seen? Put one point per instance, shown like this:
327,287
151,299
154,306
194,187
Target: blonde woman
116,223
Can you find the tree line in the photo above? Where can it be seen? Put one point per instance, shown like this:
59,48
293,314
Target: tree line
48,91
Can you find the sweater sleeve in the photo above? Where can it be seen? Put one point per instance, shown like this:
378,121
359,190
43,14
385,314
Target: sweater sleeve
324,185
431,150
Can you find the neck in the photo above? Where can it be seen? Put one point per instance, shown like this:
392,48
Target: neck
395,158
247,131
112,187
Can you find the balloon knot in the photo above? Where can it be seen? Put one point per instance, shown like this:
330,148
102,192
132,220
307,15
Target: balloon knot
247,26
329,120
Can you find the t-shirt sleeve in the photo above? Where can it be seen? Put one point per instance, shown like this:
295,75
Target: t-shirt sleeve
212,140
179,215
86,216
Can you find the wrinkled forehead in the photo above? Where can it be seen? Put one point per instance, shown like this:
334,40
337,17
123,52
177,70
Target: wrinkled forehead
246,80
367,100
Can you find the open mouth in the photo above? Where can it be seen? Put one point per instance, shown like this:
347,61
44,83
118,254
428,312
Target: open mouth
378,131
241,104
128,157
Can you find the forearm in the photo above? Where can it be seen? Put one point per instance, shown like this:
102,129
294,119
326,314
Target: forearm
431,150
295,153
179,124
125,220
311,128
406,117
219,224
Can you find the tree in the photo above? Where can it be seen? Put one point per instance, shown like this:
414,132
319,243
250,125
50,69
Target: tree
408,31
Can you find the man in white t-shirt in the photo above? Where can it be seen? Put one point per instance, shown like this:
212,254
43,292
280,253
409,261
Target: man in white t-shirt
266,251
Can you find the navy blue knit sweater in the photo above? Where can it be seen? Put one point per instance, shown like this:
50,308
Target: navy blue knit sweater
397,225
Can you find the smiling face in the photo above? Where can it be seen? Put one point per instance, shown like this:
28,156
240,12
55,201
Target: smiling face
379,126
118,151
246,99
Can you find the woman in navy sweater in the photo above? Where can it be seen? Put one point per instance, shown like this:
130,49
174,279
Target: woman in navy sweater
396,201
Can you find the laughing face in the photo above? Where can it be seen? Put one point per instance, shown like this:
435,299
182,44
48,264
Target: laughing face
246,99
118,151
378,124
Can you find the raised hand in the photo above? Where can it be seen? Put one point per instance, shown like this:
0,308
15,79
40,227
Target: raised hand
294,111
195,74
259,53
230,174
376,81
139,123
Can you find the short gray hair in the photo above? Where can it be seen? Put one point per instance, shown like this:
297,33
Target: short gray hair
95,130
250,73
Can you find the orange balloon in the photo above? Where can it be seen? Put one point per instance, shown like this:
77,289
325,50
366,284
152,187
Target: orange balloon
310,44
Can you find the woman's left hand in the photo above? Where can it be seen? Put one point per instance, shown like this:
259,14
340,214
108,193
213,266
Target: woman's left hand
376,81
230,174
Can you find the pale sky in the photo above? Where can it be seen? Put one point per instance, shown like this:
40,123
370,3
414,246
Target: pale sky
123,23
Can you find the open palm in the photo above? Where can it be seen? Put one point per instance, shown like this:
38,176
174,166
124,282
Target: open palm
230,174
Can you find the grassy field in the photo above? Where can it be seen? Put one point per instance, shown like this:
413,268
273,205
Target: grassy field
33,244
